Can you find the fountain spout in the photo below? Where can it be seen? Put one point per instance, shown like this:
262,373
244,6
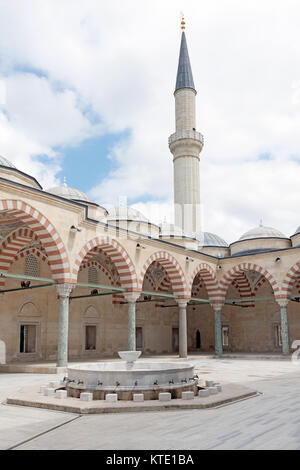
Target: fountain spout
129,356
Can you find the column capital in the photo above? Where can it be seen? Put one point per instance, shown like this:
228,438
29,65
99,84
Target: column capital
282,302
217,307
131,297
182,303
64,290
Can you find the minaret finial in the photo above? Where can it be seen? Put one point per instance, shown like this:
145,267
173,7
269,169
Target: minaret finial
182,22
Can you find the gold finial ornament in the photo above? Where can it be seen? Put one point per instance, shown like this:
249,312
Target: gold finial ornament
182,22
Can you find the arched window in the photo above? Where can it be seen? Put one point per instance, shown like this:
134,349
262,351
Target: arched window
31,266
93,275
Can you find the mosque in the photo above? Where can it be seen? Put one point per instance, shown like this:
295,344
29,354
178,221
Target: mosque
80,282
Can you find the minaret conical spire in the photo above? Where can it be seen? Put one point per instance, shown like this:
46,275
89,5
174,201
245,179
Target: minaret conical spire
185,145
184,71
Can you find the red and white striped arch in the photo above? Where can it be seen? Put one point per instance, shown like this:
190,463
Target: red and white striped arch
10,247
209,278
173,270
290,280
237,271
45,233
32,251
117,254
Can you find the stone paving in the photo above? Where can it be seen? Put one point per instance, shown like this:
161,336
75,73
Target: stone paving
270,421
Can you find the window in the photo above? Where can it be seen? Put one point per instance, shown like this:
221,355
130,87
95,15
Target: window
93,275
90,337
31,266
225,335
277,335
139,338
28,338
175,339
198,339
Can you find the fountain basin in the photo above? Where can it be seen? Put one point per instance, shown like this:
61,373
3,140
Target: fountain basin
127,378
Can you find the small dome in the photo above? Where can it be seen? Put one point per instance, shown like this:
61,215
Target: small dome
262,232
126,213
210,239
5,162
297,231
69,193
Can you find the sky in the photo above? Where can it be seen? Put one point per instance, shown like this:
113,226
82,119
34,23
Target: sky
86,92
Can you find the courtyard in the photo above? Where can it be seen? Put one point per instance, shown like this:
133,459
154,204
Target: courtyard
267,421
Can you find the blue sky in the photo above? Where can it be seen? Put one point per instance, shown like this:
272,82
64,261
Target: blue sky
86,164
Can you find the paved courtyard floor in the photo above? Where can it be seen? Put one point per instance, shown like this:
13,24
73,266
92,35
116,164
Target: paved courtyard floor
269,421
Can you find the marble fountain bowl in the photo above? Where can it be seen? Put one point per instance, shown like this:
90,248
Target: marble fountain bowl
126,378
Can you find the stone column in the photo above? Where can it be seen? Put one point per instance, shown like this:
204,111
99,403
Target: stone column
182,303
64,291
131,298
217,308
283,303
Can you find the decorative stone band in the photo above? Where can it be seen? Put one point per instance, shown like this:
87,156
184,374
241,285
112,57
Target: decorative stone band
64,290
186,134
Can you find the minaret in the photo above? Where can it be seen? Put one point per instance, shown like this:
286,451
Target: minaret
186,145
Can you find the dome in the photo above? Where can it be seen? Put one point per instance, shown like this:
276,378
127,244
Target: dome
69,193
126,213
210,239
297,231
262,232
5,162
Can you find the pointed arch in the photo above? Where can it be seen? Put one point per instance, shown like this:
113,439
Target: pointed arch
209,278
235,272
45,233
173,270
290,279
11,246
118,256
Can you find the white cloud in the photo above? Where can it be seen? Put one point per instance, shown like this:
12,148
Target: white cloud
119,59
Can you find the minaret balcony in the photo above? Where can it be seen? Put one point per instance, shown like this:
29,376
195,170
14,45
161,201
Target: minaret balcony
186,134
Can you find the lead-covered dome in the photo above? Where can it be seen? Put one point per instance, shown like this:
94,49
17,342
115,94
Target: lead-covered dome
5,162
260,239
212,244
69,193
262,232
210,239
126,213
128,218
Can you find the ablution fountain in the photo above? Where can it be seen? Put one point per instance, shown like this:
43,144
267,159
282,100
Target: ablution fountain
130,376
